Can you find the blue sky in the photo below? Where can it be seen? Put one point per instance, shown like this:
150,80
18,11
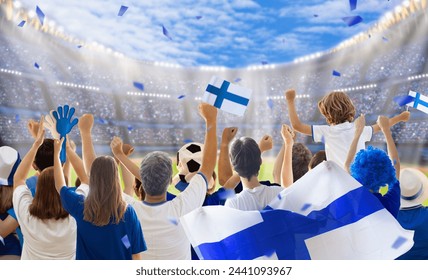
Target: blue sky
231,33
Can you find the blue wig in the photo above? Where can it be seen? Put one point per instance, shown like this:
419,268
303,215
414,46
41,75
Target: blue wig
373,169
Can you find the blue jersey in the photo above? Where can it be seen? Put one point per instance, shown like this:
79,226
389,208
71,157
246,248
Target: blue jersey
11,244
113,241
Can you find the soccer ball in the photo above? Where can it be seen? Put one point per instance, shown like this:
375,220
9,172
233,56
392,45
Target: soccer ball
189,158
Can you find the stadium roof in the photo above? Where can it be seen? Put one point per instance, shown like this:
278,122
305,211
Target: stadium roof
233,33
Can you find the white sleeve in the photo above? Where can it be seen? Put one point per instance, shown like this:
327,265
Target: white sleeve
319,132
83,189
22,200
193,196
367,134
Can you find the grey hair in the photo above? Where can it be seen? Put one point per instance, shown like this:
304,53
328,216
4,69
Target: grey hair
156,173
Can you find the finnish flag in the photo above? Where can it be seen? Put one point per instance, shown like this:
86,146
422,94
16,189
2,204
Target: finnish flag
420,101
227,96
325,215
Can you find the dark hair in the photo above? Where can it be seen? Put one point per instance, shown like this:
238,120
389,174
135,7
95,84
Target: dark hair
301,156
47,202
317,159
337,108
246,157
138,189
44,156
6,194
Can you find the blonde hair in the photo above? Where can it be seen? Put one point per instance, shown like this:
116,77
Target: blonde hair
104,203
337,108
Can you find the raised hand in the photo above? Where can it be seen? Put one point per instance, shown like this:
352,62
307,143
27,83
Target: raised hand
50,124
208,112
228,134
40,136
287,134
266,143
383,123
290,94
404,116
33,127
116,146
86,123
64,124
360,122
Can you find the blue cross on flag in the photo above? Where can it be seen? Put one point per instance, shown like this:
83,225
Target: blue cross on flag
227,96
325,215
420,101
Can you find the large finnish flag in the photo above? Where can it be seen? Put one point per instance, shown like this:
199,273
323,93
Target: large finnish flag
420,101
227,96
324,215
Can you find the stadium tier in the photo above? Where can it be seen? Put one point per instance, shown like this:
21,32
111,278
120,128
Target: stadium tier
373,71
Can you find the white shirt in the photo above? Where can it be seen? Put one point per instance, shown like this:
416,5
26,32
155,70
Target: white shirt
254,199
338,139
43,239
163,233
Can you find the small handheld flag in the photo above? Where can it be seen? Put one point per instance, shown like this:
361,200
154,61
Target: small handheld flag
22,23
353,20
420,101
227,96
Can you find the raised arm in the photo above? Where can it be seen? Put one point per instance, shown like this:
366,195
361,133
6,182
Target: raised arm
294,118
287,166
86,123
77,164
224,166
209,154
128,178
277,166
58,172
24,167
402,117
384,124
116,146
360,122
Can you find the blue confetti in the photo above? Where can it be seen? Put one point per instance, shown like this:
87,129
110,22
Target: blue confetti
130,127
37,66
173,221
181,97
198,17
17,118
185,141
79,46
122,10
226,194
305,207
400,241
353,4
279,196
138,85
40,15
336,73
384,39
21,24
264,62
270,103
315,15
237,80
125,241
404,99
165,32
353,20
101,120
